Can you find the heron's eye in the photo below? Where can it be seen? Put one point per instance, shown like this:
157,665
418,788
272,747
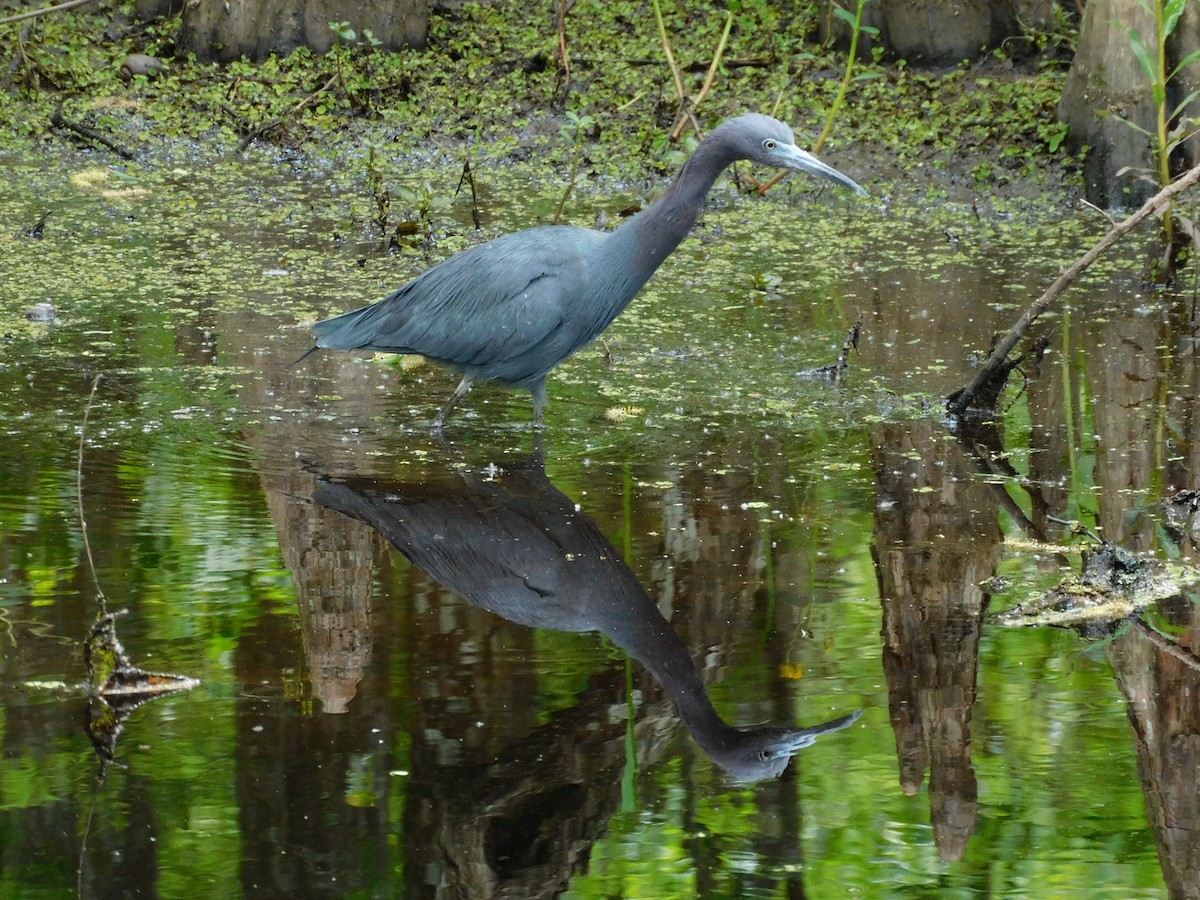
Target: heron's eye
764,755
768,144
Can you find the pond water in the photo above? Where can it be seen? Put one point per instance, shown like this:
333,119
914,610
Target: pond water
496,666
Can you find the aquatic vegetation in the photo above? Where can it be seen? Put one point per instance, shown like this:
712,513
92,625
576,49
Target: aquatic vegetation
488,76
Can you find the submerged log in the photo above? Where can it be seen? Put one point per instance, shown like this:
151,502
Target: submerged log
961,400
1113,586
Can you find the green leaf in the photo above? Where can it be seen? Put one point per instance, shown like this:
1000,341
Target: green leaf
1132,125
1183,104
1171,14
845,16
1142,54
1184,63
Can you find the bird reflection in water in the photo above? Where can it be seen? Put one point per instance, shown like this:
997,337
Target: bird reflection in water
519,548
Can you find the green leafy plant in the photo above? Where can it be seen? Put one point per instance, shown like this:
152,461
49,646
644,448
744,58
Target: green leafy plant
1170,124
857,28
1164,138
575,129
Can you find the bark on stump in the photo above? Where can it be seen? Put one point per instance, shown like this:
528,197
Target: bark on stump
1106,84
219,31
938,32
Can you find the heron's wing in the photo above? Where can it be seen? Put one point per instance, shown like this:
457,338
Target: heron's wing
492,302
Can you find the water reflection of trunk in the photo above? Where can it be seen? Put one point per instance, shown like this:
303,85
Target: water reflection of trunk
1161,690
518,821
936,540
330,560
328,556
1125,371
330,817
1181,467
712,573
313,789
1145,379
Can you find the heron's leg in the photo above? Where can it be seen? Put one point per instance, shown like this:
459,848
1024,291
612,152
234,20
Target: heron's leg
459,393
539,403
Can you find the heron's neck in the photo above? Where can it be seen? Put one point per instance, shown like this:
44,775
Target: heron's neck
650,639
642,243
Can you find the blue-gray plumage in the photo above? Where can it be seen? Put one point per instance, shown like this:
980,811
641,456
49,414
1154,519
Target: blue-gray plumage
514,308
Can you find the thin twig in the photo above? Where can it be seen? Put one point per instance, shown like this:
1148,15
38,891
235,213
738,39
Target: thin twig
564,6
851,343
33,13
666,42
958,402
468,179
317,93
708,78
87,545
1103,212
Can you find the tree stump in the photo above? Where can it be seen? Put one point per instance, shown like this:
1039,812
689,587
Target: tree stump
1106,82
939,32
220,31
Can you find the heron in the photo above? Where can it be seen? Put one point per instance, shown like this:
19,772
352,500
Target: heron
513,544
511,309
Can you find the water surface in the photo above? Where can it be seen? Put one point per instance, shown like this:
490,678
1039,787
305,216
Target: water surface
364,728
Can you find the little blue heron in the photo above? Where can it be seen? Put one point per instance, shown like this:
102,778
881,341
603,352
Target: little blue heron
512,309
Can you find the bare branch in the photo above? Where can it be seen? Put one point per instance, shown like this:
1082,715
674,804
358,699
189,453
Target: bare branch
957,403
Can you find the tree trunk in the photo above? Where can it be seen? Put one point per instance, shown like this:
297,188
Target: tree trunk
938,32
1105,82
145,10
225,30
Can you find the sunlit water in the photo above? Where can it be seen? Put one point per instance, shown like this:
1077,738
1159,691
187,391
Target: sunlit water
364,728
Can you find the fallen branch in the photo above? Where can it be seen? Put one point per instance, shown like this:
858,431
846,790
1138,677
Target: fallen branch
58,120
45,11
958,402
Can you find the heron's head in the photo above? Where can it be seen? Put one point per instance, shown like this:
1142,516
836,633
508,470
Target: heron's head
769,142
754,754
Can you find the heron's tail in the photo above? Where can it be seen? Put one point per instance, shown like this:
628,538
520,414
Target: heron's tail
307,353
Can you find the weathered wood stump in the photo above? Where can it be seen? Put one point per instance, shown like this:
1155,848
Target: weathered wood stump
939,32
217,31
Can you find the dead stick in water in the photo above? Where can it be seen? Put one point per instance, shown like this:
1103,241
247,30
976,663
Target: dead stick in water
957,403
87,545
58,120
